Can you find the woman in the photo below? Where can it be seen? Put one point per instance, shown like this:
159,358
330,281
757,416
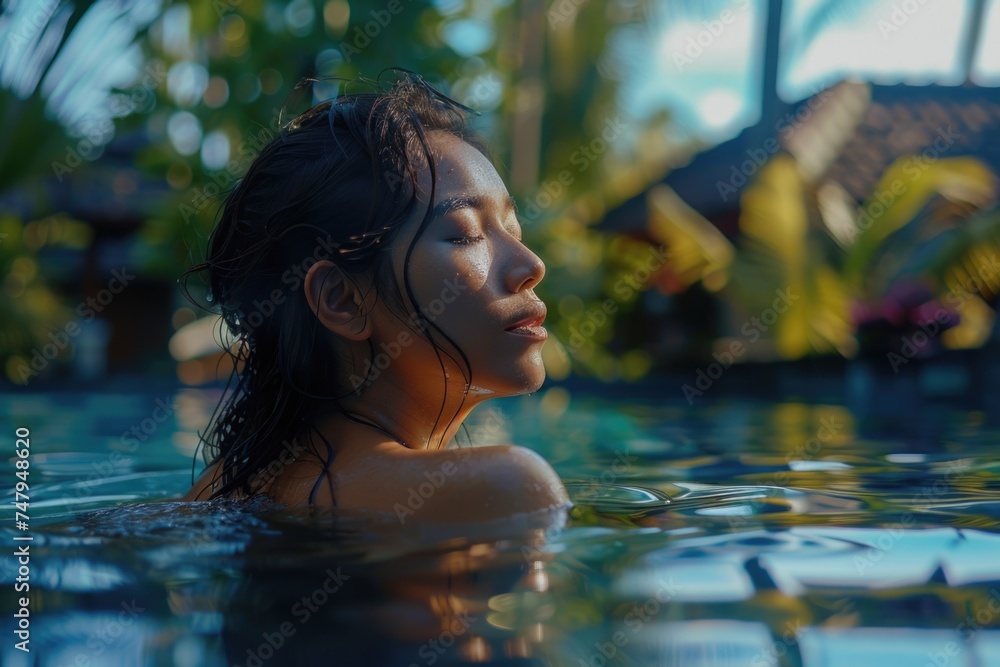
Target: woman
371,263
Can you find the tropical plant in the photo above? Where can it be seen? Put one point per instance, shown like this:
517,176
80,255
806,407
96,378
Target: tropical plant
549,111
219,75
59,99
919,235
783,242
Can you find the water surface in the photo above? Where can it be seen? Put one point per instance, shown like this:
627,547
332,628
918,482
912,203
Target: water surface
735,533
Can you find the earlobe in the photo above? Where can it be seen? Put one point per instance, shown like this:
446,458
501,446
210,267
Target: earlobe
336,301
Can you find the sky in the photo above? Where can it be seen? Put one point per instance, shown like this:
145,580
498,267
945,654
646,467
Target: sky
705,68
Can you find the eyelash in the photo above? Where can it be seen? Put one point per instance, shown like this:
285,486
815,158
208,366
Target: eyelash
467,240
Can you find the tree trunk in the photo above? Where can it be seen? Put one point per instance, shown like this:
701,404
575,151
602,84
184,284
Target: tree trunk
973,34
528,99
770,102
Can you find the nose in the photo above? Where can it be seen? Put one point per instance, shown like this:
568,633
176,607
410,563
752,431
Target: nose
526,269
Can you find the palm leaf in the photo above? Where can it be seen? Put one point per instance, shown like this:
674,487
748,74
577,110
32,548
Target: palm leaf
902,193
57,71
698,250
58,68
824,15
775,263
970,256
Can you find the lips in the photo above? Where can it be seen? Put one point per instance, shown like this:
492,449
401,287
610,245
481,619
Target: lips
528,322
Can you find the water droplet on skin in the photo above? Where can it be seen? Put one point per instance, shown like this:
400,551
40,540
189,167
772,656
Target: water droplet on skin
209,297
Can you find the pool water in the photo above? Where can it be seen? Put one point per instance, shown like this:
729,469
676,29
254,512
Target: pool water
736,533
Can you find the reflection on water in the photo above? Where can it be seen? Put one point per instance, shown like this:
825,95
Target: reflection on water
735,534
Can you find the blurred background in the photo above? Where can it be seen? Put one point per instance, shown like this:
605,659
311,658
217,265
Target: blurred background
772,247
784,196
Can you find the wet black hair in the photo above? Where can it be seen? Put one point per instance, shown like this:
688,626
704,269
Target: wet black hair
337,182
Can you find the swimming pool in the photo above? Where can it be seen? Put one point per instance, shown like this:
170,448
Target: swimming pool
736,533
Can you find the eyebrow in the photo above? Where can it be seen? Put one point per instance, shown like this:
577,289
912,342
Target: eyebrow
457,202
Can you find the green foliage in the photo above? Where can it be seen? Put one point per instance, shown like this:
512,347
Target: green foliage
229,68
574,105
43,44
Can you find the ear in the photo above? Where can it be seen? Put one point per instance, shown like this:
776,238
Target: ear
336,301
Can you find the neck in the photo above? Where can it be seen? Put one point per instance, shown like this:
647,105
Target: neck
424,416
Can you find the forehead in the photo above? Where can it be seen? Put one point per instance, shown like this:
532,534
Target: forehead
463,172
461,168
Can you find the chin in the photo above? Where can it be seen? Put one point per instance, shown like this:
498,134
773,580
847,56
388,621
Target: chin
534,374
528,382
535,386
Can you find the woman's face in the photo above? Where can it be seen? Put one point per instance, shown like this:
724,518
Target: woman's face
471,276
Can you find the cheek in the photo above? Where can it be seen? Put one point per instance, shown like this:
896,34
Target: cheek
470,270
474,264
460,270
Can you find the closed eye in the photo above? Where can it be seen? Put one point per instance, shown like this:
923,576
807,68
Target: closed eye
467,240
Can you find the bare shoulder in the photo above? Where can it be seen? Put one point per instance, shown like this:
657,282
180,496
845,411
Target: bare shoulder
453,485
482,483
293,487
202,488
